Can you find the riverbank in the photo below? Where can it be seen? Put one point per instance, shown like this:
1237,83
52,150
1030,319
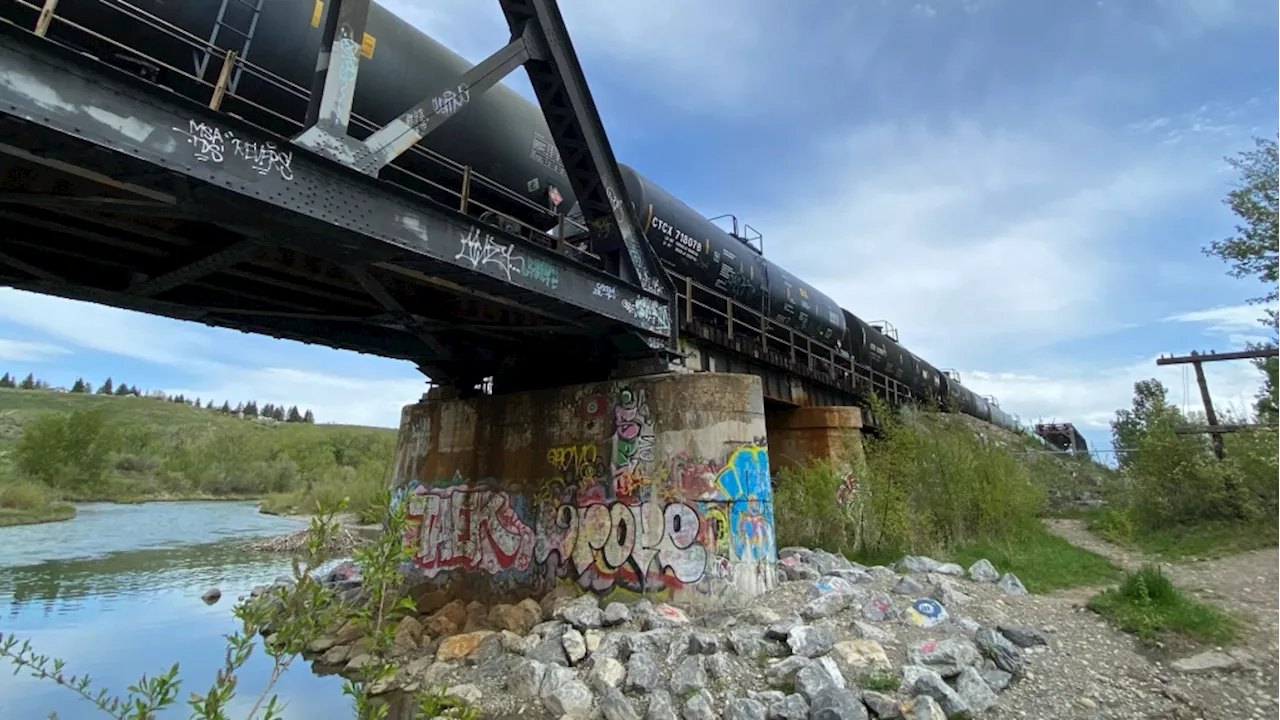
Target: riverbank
54,512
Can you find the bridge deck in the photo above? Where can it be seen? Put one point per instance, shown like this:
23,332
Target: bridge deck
121,192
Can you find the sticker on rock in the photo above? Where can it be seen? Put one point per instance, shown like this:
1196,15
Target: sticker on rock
926,613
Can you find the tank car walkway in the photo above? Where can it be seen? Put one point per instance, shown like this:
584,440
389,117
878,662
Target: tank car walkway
122,192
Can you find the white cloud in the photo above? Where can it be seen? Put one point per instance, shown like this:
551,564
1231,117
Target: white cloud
103,328
333,399
970,238
22,351
1090,399
1237,323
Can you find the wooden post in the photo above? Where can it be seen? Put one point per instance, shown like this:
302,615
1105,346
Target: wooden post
466,189
224,77
46,17
1209,415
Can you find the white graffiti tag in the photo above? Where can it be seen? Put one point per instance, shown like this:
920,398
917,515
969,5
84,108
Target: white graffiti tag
605,290
451,101
648,311
488,252
212,144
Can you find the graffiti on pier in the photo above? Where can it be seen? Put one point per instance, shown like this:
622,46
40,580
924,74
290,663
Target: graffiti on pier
468,528
607,507
632,546
632,442
212,144
744,484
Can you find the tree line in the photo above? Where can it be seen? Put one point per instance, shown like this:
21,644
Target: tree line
248,409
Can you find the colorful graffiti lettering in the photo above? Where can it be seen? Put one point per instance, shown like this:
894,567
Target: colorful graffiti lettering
744,484
579,463
468,528
632,442
848,488
634,546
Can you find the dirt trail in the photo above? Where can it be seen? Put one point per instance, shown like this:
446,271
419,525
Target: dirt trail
1096,671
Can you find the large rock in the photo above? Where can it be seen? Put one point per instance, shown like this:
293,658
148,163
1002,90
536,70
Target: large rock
835,703
1011,585
582,612
983,571
907,586
857,656
919,680
879,608
642,673
616,707
1205,662
744,709
1023,637
816,677
947,656
569,699
519,618
665,616
997,647
791,707
826,605
448,620
699,706
457,647
660,706
575,646
922,707
916,564
608,673
974,691
783,672
810,640
689,676
831,584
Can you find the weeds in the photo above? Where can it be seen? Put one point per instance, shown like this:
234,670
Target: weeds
1147,604
881,680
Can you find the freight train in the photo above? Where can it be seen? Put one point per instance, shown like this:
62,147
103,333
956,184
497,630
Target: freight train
499,134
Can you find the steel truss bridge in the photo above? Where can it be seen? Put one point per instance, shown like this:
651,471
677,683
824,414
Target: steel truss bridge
154,188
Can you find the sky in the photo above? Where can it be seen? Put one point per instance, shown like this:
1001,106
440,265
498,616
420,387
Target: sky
1021,187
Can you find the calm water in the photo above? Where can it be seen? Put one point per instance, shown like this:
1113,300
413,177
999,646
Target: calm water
116,593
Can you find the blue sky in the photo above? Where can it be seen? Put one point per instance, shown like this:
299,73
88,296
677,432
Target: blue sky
1022,188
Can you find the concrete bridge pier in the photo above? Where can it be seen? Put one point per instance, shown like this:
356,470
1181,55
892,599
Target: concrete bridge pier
655,486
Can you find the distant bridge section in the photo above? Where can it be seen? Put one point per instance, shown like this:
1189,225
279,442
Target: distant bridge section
1063,436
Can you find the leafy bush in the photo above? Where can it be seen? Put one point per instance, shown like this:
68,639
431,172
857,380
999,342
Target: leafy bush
917,490
23,495
69,451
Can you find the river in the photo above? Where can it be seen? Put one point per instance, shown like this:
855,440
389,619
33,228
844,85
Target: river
116,593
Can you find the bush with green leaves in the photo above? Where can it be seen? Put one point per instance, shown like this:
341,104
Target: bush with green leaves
913,489
66,451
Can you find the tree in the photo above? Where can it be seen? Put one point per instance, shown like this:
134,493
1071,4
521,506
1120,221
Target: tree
309,418
122,389
1254,249
1150,408
79,386
251,409
226,408
107,388
294,416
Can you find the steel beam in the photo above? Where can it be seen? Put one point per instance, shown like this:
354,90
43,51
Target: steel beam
574,121
397,136
207,265
233,163
333,89
1195,357
385,299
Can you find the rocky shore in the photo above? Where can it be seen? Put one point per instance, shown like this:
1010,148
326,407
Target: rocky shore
836,639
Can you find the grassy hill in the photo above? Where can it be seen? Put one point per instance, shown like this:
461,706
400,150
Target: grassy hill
57,446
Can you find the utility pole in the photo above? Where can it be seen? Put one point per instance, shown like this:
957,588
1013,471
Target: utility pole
1197,360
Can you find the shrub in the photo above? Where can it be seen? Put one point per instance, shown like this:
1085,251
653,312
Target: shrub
1148,605
918,489
18,494
67,451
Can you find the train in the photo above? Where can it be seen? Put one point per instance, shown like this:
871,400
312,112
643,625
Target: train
499,134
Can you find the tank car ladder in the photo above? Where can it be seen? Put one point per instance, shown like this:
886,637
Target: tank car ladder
202,59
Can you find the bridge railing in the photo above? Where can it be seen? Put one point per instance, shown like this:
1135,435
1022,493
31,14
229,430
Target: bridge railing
462,193
752,332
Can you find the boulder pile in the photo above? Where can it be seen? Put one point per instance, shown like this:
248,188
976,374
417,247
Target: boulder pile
920,640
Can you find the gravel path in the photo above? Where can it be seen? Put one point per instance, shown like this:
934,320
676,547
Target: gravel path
1093,670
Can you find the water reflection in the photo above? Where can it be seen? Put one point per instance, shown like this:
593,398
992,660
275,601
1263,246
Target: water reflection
116,592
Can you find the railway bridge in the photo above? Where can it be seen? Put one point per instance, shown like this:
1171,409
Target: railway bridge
597,418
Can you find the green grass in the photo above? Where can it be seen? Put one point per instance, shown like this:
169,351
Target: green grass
1147,604
53,512
141,449
1042,561
1209,539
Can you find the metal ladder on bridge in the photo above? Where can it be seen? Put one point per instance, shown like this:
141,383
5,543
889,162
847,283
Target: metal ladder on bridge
202,59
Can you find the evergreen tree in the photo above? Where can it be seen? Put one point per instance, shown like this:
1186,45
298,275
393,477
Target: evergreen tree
309,418
268,411
107,388
6,381
294,416
226,408
251,409
210,405
280,413
122,389
79,386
